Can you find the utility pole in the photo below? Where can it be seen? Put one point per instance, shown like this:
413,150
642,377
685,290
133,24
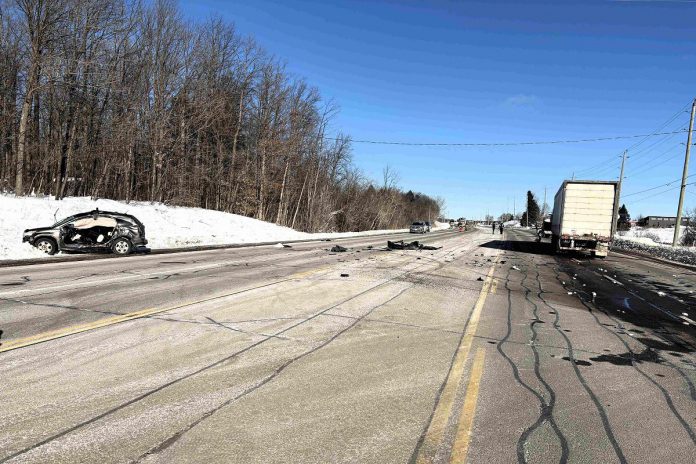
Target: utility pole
617,196
514,207
527,212
685,174
543,207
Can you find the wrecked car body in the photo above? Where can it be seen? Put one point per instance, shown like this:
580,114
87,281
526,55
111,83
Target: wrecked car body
94,231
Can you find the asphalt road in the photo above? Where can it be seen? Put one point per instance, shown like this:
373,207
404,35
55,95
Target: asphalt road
487,350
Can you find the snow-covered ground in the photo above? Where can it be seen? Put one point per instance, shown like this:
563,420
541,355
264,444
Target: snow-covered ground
165,226
655,242
649,236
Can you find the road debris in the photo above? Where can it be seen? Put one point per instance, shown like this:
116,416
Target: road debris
480,279
515,267
661,293
415,245
338,249
281,245
344,275
612,280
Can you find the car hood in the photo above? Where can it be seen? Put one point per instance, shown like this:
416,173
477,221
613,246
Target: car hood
37,229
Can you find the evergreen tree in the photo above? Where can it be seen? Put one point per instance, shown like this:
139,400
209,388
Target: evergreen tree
533,211
624,222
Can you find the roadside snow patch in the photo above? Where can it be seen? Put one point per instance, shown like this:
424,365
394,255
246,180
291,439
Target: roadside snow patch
165,226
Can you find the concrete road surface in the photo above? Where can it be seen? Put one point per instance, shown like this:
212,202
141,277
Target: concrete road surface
487,350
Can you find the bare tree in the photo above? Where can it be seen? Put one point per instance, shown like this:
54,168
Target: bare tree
127,100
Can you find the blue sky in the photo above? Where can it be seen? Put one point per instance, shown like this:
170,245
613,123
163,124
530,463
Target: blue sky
461,71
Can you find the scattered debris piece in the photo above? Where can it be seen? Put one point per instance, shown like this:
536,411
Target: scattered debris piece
281,245
683,314
338,249
480,279
661,293
415,245
570,293
614,281
515,267
344,275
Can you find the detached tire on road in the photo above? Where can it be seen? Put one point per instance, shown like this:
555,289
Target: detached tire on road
122,246
47,245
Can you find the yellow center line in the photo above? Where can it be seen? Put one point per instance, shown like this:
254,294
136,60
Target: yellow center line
75,329
443,410
466,418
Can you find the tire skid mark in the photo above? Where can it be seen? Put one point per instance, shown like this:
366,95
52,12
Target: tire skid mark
210,366
546,408
634,364
162,446
546,413
569,347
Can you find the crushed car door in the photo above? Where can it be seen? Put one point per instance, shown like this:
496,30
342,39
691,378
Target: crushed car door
88,232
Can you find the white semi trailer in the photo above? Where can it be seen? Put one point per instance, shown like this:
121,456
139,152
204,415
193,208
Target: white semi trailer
583,216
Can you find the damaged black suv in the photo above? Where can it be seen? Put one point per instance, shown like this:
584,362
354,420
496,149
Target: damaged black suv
89,232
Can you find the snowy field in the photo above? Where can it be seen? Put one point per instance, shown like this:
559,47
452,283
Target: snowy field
165,226
649,236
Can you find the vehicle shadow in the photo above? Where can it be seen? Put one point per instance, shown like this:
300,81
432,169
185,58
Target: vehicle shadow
533,247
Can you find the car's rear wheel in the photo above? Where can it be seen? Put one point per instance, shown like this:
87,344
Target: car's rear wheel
47,245
121,246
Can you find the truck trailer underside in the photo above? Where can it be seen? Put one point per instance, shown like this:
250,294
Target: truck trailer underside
596,247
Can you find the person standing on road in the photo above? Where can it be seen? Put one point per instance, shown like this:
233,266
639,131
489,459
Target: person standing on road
493,225
501,228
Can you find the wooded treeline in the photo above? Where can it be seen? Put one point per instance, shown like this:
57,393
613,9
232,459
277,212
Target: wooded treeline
123,100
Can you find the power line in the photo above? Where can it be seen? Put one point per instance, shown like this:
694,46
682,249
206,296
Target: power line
506,144
650,165
669,121
645,150
657,187
672,118
660,193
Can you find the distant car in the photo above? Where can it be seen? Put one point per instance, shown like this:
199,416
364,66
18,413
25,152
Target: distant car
418,227
93,231
427,226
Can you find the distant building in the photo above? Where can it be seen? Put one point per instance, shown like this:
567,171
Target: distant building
662,221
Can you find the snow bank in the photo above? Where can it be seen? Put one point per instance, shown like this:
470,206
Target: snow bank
680,254
165,226
649,235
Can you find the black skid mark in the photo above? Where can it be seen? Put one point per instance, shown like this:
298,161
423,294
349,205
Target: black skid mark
544,407
546,413
635,359
571,355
